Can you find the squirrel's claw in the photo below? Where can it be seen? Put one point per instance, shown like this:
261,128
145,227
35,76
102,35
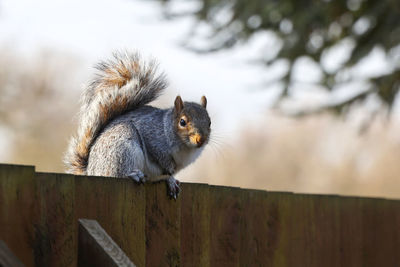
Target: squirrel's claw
173,188
138,176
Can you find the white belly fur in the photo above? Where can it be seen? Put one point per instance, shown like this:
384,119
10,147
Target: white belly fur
186,156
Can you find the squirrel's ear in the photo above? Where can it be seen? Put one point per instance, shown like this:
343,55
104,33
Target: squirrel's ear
178,104
203,101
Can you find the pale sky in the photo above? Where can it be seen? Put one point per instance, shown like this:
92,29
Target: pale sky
93,29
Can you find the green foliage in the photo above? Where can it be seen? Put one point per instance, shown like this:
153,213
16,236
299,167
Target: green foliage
310,28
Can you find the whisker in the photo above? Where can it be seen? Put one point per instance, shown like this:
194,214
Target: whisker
217,151
218,147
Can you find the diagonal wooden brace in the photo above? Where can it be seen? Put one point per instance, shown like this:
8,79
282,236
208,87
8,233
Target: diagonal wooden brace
96,247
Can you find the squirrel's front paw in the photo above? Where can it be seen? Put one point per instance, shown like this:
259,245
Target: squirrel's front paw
138,176
173,188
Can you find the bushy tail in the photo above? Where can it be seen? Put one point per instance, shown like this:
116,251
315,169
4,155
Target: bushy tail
121,84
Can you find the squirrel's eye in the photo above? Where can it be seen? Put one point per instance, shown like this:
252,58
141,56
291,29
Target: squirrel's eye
182,123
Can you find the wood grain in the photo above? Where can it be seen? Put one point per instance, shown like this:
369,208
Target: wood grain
96,247
162,227
195,225
7,257
55,233
19,209
119,207
225,216
206,226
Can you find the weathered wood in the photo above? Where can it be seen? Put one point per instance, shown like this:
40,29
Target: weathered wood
315,230
162,227
311,224
380,231
259,227
18,209
56,231
119,207
96,247
207,225
225,216
351,220
7,258
195,225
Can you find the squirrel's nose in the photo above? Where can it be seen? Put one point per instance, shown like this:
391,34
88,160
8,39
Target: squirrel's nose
197,139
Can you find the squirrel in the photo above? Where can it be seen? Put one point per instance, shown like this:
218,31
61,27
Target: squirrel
119,135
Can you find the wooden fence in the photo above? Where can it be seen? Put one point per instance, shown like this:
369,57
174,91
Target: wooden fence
206,226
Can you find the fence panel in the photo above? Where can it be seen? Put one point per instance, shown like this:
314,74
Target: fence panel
163,226
118,205
205,226
195,225
18,210
225,214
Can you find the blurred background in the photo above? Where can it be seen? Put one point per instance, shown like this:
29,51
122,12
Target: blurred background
303,95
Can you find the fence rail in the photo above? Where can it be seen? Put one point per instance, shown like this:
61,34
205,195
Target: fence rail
206,226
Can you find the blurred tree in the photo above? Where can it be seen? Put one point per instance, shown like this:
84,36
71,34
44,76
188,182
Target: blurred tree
36,107
311,28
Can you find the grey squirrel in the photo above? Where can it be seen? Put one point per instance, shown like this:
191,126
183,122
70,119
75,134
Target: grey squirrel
120,136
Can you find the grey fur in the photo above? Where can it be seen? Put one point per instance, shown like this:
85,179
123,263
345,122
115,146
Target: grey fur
120,136
143,139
